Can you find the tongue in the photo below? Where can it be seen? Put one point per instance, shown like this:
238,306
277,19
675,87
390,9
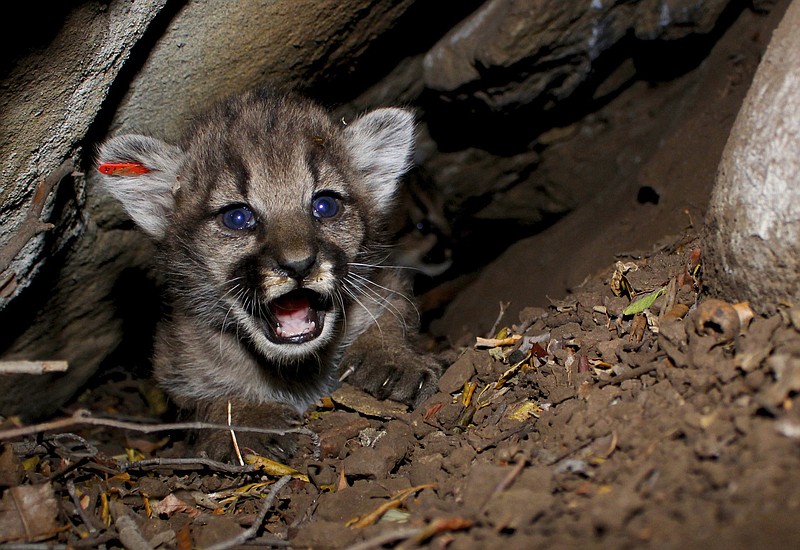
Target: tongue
294,316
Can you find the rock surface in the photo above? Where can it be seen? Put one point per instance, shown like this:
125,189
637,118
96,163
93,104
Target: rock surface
51,94
512,136
511,53
753,222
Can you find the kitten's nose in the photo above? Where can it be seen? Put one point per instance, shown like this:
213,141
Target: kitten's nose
298,267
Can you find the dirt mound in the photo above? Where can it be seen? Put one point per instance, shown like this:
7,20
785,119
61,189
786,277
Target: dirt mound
605,420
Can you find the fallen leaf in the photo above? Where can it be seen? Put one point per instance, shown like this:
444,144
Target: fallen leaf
443,525
28,512
497,342
583,363
638,326
431,412
355,399
170,505
525,411
643,303
619,283
274,468
469,390
361,522
678,311
745,313
538,351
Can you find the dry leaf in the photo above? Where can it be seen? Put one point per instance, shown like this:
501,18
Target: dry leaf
619,283
273,468
373,517
443,525
525,411
497,342
28,512
171,505
353,398
643,303
745,313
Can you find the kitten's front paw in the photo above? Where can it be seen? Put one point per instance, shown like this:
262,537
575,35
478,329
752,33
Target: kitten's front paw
219,444
404,376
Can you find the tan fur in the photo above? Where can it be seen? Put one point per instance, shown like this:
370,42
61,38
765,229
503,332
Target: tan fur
277,311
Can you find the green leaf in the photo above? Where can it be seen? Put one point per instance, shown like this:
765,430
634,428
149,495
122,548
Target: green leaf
644,302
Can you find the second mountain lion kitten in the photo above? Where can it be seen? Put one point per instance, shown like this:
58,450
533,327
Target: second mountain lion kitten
270,221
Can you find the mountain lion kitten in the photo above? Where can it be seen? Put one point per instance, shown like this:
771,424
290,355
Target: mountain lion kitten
270,220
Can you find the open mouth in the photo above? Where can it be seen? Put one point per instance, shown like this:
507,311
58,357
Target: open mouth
296,317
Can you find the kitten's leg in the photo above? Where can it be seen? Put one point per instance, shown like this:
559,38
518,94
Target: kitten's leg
382,361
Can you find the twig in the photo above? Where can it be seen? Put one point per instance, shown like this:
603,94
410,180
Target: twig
233,437
129,534
633,373
94,542
503,308
395,502
32,225
152,463
386,538
252,531
506,482
82,417
416,535
32,367
88,521
268,542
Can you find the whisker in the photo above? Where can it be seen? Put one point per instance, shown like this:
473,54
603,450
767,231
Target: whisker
383,266
354,297
384,302
368,281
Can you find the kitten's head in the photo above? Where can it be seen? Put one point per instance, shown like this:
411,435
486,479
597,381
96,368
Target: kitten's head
263,210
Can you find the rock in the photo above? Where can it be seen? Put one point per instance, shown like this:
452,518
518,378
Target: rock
510,53
50,98
68,293
244,45
753,237
459,372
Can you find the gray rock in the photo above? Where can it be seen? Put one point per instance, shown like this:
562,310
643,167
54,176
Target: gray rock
515,52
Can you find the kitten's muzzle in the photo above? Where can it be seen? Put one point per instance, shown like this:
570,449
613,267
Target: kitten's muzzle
297,316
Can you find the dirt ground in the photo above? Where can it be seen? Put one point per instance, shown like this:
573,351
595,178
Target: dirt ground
580,425
584,426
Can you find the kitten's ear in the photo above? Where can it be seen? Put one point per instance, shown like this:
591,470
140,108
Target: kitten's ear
381,143
141,173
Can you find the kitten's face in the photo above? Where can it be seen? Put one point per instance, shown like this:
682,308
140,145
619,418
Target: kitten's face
265,226
270,205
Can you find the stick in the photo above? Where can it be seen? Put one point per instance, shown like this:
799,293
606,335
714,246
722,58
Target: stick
129,534
87,520
32,367
631,374
385,538
252,531
32,225
503,308
82,417
152,463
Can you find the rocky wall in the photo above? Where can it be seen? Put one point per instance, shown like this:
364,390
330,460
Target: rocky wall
499,86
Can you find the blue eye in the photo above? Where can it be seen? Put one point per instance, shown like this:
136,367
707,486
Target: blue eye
326,206
238,218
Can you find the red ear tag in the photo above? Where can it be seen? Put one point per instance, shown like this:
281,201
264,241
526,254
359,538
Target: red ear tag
123,168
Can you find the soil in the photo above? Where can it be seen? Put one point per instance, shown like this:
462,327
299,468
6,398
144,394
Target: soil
580,424
638,169
675,427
